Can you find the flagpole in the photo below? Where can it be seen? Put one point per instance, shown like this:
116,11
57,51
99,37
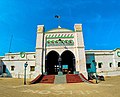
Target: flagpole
58,22
10,43
58,17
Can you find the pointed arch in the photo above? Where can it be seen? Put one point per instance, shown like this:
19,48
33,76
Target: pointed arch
51,66
68,59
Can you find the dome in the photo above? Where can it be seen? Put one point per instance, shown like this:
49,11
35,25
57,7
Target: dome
60,30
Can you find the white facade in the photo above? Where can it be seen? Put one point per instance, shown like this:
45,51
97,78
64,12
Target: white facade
109,61
14,64
59,43
54,35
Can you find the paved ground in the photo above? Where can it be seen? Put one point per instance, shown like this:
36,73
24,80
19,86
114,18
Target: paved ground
15,88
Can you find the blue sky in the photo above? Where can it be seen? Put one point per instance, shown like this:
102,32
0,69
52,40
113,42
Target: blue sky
100,20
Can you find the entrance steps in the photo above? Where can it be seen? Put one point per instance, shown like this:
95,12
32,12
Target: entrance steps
60,79
73,78
37,79
47,79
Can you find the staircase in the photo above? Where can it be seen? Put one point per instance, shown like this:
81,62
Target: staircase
48,79
37,79
60,79
73,78
84,79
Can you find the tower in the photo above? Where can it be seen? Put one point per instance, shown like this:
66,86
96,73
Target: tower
39,49
80,50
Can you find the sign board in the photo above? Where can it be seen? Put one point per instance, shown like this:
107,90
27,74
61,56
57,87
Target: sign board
64,66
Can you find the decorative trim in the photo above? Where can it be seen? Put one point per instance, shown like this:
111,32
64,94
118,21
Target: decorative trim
22,54
118,53
60,36
60,43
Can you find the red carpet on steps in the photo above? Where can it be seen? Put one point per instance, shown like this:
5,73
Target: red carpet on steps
73,78
85,78
48,79
37,79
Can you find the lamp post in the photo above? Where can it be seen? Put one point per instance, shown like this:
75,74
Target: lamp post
59,61
74,65
25,66
63,43
60,67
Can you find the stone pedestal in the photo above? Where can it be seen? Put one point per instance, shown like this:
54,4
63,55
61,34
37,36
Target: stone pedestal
60,73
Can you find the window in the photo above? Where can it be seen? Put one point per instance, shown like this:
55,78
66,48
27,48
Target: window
12,68
34,56
99,65
110,64
12,57
88,65
32,68
118,64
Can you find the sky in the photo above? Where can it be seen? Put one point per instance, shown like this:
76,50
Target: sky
19,19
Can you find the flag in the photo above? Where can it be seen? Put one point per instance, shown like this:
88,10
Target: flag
56,16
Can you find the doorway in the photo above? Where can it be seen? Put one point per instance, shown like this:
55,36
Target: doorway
68,62
51,64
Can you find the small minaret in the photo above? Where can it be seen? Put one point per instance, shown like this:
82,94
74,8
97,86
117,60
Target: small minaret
40,31
40,28
39,49
80,49
78,27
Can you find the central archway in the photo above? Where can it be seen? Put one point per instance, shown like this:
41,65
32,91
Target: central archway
68,62
51,65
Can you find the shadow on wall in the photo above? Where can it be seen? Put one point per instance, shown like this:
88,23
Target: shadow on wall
4,72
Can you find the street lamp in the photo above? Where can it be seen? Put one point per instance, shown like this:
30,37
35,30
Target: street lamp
63,43
74,70
60,67
59,61
25,65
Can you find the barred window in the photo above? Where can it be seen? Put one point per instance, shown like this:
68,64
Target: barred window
12,68
99,65
110,64
118,64
12,57
34,56
32,68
